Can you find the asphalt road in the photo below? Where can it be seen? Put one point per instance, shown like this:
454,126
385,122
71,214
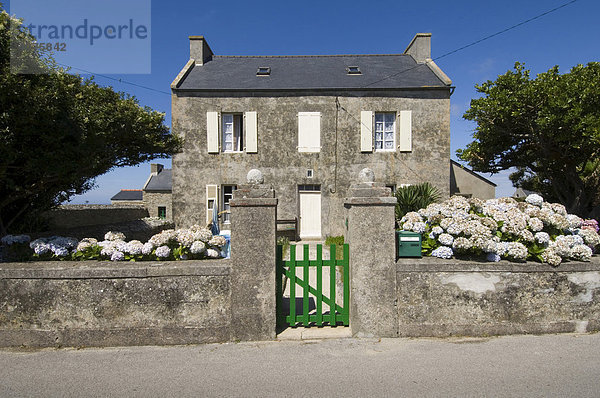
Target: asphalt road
524,366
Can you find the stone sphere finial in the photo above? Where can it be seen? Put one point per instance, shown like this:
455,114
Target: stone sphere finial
255,177
366,175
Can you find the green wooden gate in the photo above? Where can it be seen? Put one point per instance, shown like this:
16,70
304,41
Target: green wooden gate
303,314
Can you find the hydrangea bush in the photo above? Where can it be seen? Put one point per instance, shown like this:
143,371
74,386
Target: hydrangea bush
504,229
181,244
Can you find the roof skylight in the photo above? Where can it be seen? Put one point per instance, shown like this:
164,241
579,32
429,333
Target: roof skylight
263,71
353,70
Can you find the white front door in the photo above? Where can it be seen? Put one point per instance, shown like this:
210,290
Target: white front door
310,214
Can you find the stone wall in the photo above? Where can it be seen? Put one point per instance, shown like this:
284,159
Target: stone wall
107,304
450,297
73,216
334,167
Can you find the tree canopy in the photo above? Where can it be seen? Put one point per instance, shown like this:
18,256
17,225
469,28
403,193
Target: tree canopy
59,131
547,128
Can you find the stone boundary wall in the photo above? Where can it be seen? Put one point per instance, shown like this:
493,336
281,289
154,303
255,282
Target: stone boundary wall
439,298
52,304
73,216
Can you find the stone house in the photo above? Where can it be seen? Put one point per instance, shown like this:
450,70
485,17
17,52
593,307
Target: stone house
155,195
310,124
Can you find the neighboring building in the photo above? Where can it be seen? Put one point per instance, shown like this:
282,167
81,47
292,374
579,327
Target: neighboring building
465,182
522,193
157,192
128,197
310,124
155,196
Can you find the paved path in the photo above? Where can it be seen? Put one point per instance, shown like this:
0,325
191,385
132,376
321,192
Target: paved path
524,366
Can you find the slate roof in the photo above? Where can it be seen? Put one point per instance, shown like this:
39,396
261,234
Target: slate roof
128,194
310,72
160,182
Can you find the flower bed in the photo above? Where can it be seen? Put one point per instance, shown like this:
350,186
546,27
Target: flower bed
504,228
182,244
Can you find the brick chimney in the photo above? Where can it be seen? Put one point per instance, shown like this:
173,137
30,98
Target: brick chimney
200,52
420,47
156,168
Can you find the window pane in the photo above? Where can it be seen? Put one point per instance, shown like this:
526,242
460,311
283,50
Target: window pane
378,145
389,136
378,136
378,117
228,128
379,126
389,145
228,146
389,117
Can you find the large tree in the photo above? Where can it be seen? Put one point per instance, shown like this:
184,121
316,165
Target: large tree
547,128
59,131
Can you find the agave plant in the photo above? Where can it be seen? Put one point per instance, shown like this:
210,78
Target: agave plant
415,197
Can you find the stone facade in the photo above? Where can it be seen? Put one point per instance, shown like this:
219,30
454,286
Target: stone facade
334,167
466,182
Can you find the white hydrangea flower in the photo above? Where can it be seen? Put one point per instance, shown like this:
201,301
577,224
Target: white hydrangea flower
446,239
185,237
517,251
218,241
407,226
114,235
202,234
535,224
134,247
163,252
437,230
526,235
147,248
561,247
461,244
574,221
534,199
559,209
412,217
419,227
197,247
212,253
581,253
590,237
442,252
542,238
549,256
117,256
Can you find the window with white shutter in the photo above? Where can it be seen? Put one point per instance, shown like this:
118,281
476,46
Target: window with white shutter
405,131
309,131
385,131
366,131
212,132
251,132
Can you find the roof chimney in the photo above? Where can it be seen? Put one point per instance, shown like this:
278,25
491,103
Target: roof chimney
156,168
200,52
420,47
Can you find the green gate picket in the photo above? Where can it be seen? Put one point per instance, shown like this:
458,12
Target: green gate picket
337,313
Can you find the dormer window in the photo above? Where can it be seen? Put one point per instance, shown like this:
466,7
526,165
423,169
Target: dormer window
263,71
353,70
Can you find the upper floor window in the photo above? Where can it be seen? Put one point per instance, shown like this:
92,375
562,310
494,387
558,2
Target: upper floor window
227,192
385,131
233,135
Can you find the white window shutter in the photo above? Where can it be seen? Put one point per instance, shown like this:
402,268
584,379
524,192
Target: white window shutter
405,131
212,201
212,132
366,131
309,131
251,132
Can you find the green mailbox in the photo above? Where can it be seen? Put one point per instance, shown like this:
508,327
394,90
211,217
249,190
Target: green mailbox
408,244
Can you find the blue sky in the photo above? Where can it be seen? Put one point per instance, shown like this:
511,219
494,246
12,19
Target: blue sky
566,37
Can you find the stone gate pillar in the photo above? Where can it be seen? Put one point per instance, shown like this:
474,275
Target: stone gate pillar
253,246
373,310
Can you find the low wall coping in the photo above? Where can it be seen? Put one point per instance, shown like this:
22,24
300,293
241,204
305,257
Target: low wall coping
370,201
433,264
113,270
